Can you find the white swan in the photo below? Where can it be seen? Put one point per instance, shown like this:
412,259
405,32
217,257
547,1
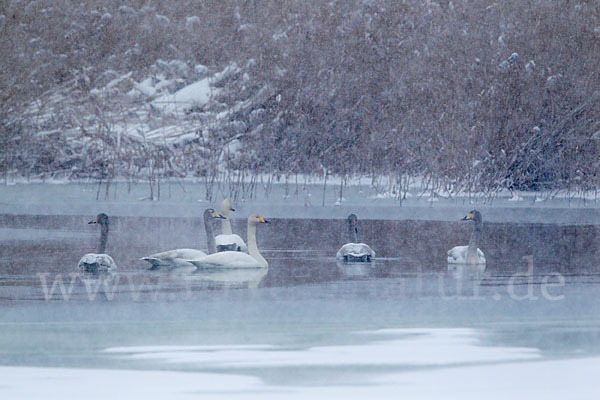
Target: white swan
227,240
470,254
178,257
98,262
236,259
353,251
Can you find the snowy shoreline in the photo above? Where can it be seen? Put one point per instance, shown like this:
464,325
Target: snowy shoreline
313,200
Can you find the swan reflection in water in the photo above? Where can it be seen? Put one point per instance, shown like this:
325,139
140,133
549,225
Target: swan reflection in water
229,277
356,269
467,271
464,279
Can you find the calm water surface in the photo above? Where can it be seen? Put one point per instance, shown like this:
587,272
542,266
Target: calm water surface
540,290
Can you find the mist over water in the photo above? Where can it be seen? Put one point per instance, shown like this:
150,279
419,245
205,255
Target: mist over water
307,319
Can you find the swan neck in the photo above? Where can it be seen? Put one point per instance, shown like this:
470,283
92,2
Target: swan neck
475,238
103,238
253,246
352,232
226,225
210,237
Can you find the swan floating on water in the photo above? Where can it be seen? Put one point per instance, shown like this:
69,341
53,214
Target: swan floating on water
470,254
179,257
236,259
227,240
98,262
353,251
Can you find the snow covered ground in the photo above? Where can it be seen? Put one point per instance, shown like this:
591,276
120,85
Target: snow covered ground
157,106
421,364
557,379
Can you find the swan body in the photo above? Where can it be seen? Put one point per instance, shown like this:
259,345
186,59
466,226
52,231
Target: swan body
227,259
458,255
93,262
231,242
227,240
179,257
98,262
353,251
470,254
235,259
172,258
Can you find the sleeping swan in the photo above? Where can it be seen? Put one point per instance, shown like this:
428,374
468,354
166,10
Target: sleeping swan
178,257
236,259
98,262
227,240
353,251
470,254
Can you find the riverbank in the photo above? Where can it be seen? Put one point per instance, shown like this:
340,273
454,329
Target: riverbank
313,200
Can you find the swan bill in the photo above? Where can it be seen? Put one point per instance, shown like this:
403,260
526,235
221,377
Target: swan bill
217,215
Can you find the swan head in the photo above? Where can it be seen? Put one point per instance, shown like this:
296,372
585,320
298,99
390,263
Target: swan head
255,219
101,219
473,215
211,213
226,206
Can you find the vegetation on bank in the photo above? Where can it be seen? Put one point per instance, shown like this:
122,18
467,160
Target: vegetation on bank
471,95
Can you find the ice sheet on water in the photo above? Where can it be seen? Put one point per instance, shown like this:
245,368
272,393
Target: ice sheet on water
68,383
473,372
404,347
